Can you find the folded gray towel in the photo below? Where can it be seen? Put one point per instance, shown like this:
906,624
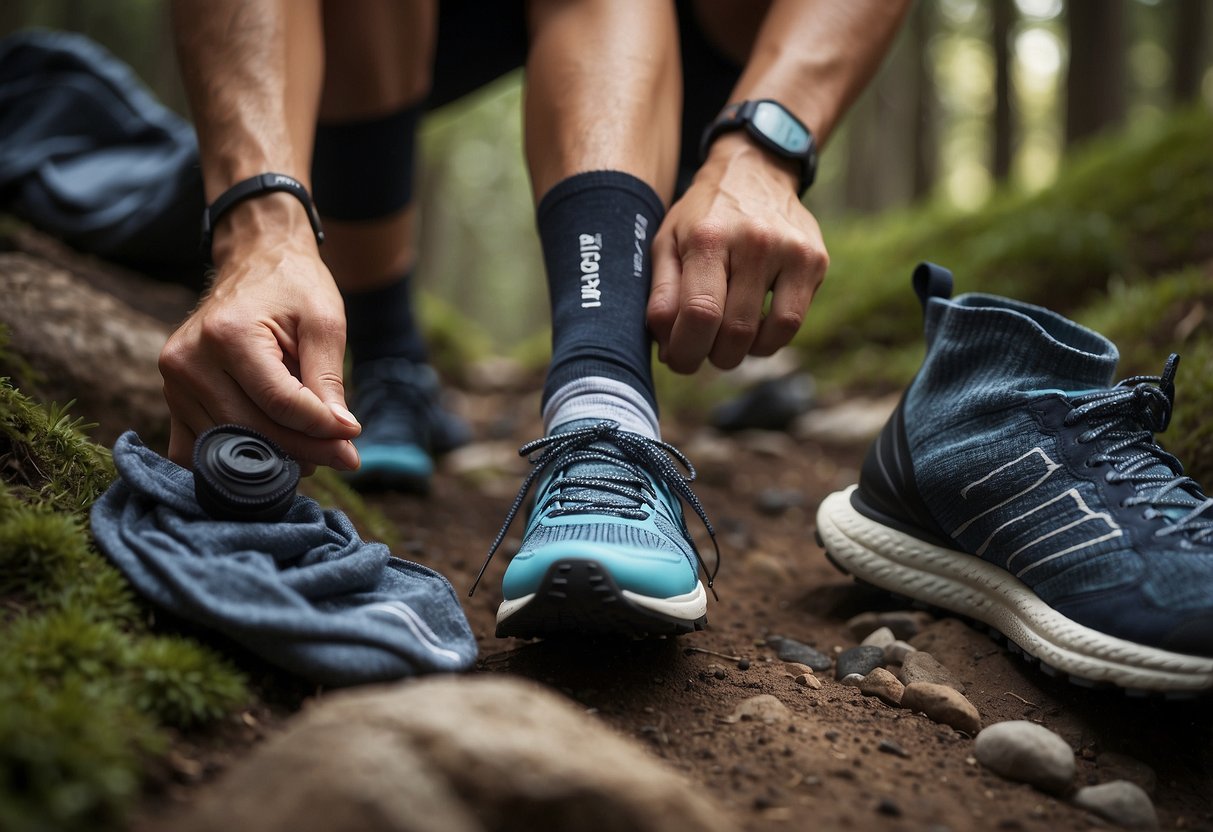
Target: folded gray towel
305,593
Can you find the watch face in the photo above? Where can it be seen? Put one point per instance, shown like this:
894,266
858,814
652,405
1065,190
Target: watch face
774,123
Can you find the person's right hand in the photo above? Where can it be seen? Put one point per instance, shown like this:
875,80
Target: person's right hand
264,349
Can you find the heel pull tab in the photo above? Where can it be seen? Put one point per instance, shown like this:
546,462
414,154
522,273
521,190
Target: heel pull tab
931,281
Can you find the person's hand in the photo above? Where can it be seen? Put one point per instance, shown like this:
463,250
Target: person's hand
739,233
264,349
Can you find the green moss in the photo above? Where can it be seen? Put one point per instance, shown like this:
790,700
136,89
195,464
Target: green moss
182,683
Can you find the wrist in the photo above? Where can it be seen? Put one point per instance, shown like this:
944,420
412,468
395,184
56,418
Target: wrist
738,150
266,205
273,220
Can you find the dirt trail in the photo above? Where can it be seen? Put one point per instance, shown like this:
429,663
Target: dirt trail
843,760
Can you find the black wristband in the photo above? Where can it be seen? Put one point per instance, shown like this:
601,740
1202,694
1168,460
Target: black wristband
262,183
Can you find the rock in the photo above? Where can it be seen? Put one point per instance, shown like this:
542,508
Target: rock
1120,802
890,747
449,753
84,344
852,680
861,660
794,651
942,704
854,422
896,652
905,624
775,501
770,405
1113,766
883,685
881,637
1027,752
919,666
761,708
809,681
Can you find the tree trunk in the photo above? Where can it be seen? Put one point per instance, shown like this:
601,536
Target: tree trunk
924,136
1191,22
1003,20
1095,81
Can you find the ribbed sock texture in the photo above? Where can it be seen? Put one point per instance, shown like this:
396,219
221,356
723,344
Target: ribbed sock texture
595,398
381,323
596,229
363,170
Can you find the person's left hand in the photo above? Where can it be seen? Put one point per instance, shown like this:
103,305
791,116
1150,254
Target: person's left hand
739,233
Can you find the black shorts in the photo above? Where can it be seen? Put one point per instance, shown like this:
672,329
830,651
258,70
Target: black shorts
481,40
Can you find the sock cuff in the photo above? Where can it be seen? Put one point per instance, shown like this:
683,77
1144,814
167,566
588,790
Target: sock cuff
617,180
598,397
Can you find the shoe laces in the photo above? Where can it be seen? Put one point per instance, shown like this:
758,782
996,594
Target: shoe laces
629,493
1124,418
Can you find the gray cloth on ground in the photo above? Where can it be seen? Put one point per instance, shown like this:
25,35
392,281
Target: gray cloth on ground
305,592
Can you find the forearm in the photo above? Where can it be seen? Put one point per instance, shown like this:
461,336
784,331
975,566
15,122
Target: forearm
816,56
252,72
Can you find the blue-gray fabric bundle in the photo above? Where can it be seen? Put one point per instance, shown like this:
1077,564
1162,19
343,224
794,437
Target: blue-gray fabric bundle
305,593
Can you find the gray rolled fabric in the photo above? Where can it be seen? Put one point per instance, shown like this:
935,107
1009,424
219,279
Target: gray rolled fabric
306,592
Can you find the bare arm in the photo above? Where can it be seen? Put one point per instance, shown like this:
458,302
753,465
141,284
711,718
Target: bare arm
264,348
741,231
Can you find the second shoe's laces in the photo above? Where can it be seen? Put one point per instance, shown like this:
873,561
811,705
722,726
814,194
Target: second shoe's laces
619,487
1126,417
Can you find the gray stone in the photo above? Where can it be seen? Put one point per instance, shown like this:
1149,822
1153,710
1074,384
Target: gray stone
1113,766
465,754
905,624
854,422
861,660
1027,752
760,708
942,704
852,680
919,666
883,685
790,650
1120,802
896,652
881,637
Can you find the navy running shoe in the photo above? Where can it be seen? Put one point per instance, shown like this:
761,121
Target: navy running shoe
606,550
1016,485
404,425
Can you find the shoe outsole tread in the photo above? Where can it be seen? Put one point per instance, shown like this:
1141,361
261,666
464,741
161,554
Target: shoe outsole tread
579,597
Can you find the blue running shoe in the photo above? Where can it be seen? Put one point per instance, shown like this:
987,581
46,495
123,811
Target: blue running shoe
606,550
1016,485
404,425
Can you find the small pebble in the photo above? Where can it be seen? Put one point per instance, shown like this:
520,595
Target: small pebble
896,652
1026,752
905,624
888,807
809,681
890,747
790,650
920,666
744,664
1120,802
881,637
853,680
883,685
861,660
944,705
1113,766
719,673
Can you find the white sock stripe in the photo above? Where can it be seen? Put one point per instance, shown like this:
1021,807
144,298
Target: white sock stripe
598,397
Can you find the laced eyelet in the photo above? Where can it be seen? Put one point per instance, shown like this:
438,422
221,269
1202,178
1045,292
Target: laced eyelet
1111,477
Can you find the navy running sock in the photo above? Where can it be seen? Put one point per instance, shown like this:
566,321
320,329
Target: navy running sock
596,230
363,170
380,323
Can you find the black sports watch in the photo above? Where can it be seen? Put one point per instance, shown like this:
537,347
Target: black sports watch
771,125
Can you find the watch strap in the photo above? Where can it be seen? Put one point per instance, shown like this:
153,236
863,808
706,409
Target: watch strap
262,183
739,115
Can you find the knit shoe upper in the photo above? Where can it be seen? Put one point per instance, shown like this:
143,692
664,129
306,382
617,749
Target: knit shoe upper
1018,485
606,549
404,424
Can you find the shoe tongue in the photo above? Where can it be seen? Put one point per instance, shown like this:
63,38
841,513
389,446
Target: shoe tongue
596,468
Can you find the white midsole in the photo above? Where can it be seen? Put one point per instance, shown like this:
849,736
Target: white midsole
970,586
690,606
